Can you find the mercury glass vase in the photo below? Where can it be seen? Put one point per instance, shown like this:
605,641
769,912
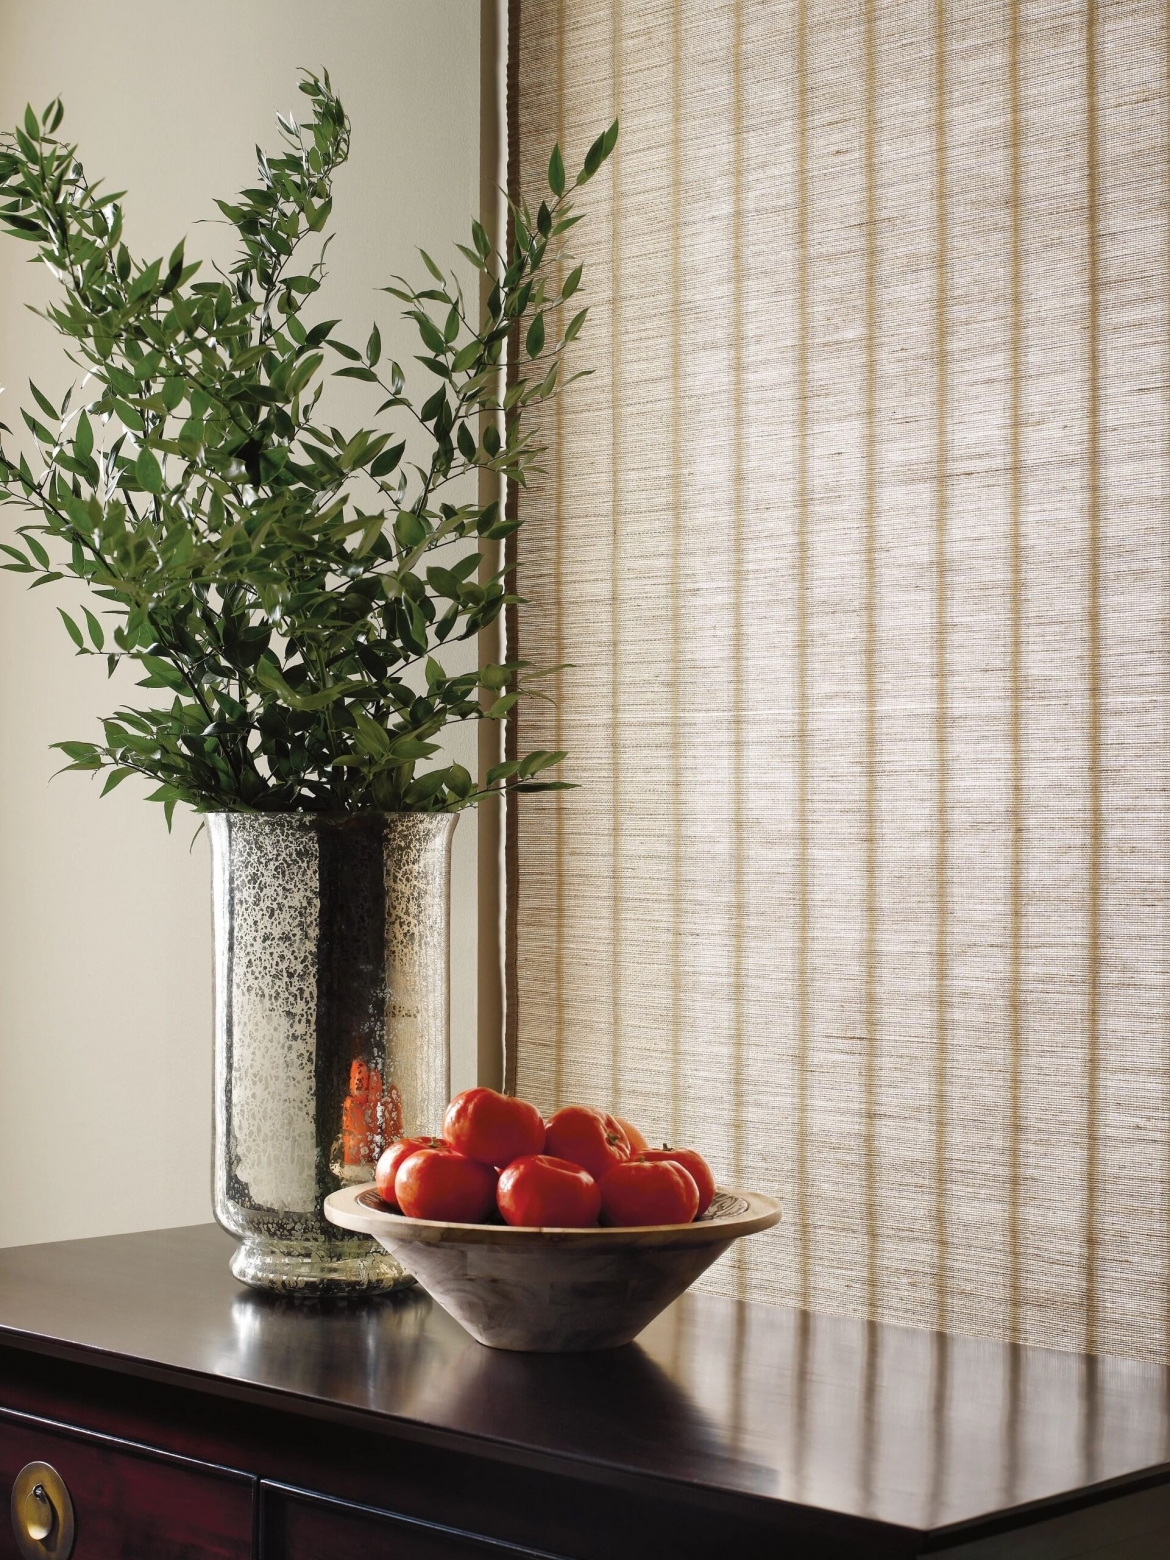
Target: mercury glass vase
332,987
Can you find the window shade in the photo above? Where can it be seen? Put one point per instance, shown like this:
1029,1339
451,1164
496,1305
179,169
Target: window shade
857,543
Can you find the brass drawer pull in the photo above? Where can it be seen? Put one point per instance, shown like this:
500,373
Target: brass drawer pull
42,1513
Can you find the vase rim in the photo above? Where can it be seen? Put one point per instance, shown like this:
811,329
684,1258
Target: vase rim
305,819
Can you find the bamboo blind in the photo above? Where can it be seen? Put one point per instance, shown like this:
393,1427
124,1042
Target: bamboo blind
857,541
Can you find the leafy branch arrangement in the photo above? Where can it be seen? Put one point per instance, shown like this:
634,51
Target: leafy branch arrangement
287,584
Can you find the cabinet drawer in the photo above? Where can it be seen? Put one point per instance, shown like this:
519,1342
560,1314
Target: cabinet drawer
130,1503
295,1525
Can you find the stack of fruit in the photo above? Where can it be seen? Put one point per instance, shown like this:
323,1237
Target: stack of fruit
498,1158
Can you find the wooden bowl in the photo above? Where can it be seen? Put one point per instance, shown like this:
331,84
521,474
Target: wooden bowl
553,1291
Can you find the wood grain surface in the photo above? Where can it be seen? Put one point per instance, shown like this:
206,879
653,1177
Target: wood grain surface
726,1421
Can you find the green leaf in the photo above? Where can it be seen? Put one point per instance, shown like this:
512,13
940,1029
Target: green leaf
533,763
459,782
304,371
22,565
163,674
573,328
386,462
36,549
556,172
83,438
96,632
430,333
432,267
116,776
572,282
466,356
374,347
598,152
44,403
148,471
534,341
372,737
425,788
410,749
409,530
74,631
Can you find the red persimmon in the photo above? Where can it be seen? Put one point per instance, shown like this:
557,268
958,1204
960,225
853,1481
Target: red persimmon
636,1139
586,1137
648,1191
694,1164
493,1128
539,1190
434,1183
387,1167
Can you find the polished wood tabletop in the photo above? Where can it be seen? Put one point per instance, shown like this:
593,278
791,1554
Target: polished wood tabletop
883,1423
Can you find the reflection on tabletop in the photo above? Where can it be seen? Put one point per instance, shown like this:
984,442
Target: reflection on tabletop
886,1422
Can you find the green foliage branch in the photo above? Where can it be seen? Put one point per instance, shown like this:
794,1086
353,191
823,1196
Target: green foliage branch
286,583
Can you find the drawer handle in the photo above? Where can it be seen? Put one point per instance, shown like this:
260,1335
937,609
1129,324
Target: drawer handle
42,1513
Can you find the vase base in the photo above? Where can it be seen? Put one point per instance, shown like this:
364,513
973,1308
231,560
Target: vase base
311,1269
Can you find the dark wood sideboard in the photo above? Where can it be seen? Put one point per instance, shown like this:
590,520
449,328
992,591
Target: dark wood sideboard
191,1417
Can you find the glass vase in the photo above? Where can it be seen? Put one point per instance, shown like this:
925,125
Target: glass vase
332,987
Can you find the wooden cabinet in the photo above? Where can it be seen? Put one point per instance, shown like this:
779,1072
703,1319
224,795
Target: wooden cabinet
191,1417
130,1503
297,1525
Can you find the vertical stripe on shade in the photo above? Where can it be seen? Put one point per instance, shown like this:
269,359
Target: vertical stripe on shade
677,541
1015,673
870,611
941,497
558,457
1093,632
511,821
737,733
617,923
800,627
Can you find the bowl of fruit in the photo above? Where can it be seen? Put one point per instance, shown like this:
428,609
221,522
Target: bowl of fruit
548,1237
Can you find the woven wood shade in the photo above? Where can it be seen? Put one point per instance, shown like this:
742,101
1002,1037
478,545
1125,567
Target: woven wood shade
857,541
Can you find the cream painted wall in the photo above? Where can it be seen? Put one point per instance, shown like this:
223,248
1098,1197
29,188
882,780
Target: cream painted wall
105,946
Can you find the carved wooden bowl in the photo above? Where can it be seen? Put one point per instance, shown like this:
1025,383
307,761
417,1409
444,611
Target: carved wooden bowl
554,1291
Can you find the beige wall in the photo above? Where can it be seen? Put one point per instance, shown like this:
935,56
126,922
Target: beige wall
105,947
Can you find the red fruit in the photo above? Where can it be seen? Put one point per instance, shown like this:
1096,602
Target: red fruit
387,1167
493,1128
638,1143
586,1137
539,1190
434,1183
649,1191
695,1164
